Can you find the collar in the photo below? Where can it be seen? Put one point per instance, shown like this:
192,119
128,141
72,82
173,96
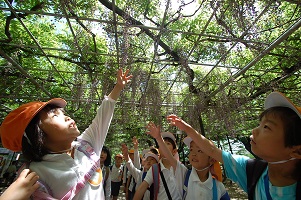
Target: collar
195,178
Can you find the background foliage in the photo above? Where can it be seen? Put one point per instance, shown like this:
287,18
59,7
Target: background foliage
210,62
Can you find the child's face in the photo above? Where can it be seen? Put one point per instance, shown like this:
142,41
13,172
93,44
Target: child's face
103,156
118,161
267,140
149,162
60,129
197,158
170,147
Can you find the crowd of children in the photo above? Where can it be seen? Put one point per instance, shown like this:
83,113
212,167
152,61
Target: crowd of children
64,164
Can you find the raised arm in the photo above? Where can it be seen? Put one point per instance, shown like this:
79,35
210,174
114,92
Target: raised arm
136,163
155,132
125,152
122,80
204,144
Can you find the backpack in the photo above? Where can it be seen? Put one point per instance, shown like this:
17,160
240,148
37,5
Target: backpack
214,189
156,181
254,169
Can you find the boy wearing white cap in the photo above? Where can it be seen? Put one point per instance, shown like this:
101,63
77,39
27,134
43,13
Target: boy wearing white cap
277,140
139,175
168,189
199,184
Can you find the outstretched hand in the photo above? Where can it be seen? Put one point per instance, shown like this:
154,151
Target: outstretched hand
177,121
123,78
153,130
125,151
135,142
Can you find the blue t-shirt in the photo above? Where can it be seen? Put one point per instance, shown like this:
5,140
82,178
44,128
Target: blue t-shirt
235,167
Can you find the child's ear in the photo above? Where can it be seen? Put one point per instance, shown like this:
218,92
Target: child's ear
174,151
296,152
211,160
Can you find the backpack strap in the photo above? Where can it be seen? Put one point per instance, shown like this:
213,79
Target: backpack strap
107,173
165,184
298,190
186,183
214,190
156,180
143,176
86,148
254,169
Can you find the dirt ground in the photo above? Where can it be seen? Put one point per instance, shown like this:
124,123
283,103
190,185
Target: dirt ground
234,191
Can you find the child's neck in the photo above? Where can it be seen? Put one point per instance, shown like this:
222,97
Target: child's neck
203,175
281,175
166,163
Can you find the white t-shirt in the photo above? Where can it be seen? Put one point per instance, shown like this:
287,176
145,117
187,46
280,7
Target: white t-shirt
60,172
137,175
116,173
170,181
196,188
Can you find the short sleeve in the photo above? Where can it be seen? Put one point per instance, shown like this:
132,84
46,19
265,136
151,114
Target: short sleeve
235,167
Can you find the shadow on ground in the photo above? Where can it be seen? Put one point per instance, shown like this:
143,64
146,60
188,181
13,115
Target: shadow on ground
234,191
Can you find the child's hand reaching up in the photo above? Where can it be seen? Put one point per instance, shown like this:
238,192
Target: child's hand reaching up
178,122
154,130
125,151
135,142
122,78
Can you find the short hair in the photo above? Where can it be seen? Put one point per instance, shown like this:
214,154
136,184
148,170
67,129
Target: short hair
291,127
174,146
291,124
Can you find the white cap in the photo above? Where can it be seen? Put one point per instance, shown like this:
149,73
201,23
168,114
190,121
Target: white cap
187,141
150,154
278,99
169,135
145,151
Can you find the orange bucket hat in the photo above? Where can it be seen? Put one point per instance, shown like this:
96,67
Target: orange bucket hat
14,124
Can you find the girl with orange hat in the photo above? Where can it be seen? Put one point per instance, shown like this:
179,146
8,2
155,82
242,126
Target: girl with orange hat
66,161
204,180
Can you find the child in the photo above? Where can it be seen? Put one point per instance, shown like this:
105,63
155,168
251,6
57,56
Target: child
105,162
116,176
139,175
200,181
22,187
46,136
167,183
130,182
277,140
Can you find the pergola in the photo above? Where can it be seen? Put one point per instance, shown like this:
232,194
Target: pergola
210,62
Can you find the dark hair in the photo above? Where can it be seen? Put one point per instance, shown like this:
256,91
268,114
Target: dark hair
291,127
36,150
107,162
174,146
154,150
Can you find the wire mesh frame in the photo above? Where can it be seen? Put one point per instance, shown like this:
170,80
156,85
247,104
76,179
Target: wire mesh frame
230,80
